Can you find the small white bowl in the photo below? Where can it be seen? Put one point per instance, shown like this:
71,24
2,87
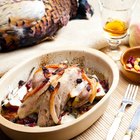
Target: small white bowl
90,58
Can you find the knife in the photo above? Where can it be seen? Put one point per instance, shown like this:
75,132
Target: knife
133,125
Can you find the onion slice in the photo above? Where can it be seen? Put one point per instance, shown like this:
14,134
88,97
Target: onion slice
53,66
52,104
78,89
93,85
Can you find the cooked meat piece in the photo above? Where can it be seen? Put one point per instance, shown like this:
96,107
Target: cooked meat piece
78,89
44,117
42,73
31,99
38,78
50,96
82,98
93,86
59,99
84,92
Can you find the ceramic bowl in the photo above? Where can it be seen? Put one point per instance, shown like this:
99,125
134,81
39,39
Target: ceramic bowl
131,75
89,58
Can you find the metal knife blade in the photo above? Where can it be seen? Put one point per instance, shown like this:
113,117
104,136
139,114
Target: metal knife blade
133,125
135,119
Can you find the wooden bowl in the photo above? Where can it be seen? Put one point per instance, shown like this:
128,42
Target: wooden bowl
90,58
131,75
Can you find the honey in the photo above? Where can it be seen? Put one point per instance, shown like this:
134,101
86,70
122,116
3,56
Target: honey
115,28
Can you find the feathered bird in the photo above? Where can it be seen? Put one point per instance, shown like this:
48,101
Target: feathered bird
28,22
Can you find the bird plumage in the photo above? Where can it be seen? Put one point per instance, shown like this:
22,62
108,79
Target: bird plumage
27,22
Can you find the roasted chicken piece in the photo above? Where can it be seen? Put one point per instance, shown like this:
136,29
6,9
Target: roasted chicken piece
32,99
49,93
42,73
54,97
53,86
27,22
44,116
87,93
49,98
42,79
60,96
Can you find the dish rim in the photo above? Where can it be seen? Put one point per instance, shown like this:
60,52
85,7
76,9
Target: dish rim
97,53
